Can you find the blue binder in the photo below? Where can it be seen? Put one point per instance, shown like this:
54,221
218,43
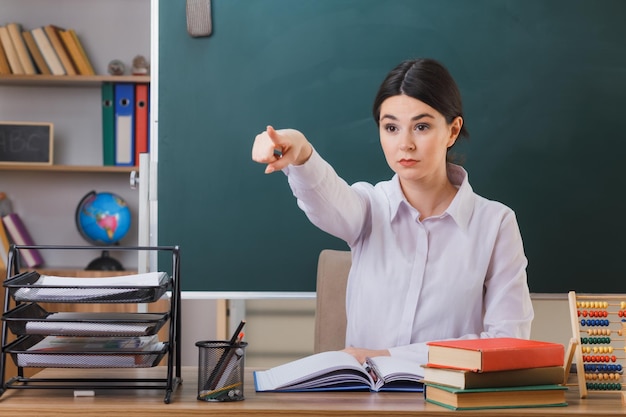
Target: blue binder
124,124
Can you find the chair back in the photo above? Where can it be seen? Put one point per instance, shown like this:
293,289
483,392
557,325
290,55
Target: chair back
330,313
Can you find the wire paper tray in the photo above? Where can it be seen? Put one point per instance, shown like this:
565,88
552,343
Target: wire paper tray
101,358
141,288
32,319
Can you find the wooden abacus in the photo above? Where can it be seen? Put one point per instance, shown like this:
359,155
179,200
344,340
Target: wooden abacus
598,343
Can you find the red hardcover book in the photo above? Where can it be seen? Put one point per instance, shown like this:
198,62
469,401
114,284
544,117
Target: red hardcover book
141,120
495,354
20,236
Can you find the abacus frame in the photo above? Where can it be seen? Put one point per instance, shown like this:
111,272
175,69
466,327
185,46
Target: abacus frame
576,347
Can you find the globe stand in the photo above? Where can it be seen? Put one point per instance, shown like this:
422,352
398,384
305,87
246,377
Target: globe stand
104,263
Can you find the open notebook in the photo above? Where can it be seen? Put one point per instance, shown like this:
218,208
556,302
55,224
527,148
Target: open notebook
340,371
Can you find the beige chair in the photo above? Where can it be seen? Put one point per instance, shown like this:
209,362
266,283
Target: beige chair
330,314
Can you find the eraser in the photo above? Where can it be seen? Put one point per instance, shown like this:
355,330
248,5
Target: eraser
85,393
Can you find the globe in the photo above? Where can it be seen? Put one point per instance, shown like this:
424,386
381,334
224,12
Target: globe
103,218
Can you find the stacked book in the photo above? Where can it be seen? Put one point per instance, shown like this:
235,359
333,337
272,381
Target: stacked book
495,373
46,50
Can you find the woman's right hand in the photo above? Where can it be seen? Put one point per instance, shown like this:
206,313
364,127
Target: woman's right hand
280,148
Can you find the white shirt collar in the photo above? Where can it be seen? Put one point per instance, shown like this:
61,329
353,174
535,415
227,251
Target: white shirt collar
461,207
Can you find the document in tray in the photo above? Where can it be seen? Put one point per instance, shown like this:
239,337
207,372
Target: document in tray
86,344
97,324
75,351
50,287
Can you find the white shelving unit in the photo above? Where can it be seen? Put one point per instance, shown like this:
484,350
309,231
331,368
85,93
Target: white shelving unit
46,197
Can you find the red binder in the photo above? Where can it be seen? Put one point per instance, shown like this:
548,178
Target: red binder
141,120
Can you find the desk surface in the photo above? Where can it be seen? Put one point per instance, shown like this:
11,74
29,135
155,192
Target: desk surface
56,402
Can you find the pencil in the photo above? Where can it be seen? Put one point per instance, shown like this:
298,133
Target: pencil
222,362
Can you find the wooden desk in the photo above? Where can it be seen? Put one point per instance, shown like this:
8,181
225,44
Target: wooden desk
149,403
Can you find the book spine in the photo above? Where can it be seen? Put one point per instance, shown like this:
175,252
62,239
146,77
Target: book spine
4,246
56,68
55,39
40,62
5,68
81,49
9,49
73,52
20,235
15,31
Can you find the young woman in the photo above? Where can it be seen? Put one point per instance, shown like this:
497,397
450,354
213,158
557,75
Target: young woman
431,259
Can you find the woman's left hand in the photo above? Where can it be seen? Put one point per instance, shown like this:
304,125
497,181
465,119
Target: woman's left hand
362,354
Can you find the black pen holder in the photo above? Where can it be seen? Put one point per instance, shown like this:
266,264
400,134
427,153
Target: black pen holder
221,370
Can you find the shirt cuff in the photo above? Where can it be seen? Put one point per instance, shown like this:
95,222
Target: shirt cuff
307,175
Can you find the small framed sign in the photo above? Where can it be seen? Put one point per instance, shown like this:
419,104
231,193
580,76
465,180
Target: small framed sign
26,143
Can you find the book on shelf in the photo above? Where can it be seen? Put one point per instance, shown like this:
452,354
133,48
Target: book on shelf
464,379
81,49
40,61
15,31
74,52
495,354
501,397
55,39
10,51
48,52
340,371
4,246
5,68
20,236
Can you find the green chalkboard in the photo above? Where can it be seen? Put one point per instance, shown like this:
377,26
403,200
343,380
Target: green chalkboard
544,87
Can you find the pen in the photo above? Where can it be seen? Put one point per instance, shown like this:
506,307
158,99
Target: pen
233,339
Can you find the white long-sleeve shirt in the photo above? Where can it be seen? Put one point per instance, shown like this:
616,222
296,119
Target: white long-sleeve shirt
461,274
